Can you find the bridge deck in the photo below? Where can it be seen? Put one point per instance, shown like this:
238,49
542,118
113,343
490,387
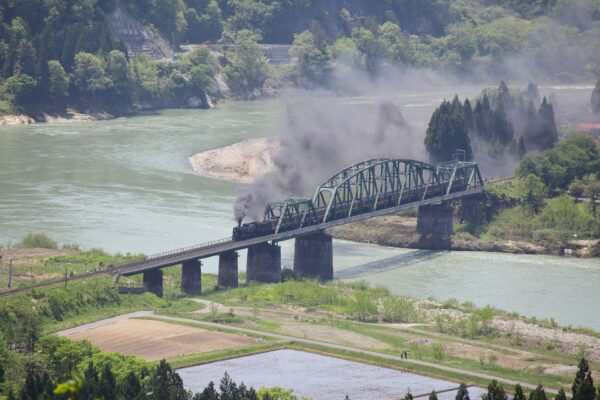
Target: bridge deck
210,249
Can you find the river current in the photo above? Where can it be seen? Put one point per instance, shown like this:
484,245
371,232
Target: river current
125,185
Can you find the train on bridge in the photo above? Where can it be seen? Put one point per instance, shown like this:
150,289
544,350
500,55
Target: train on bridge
362,188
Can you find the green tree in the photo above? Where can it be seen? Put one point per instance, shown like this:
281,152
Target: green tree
119,74
22,86
561,395
592,191
202,69
276,393
38,385
408,396
311,60
89,75
26,58
546,134
1,375
248,69
371,48
433,395
90,387
59,80
209,393
131,387
145,78
107,386
595,100
494,392
165,384
446,132
538,393
583,385
532,192
519,395
462,393
577,188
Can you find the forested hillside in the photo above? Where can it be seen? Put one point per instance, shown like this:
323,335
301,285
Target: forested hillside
61,52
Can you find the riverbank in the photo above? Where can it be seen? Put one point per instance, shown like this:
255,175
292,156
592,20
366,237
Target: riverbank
74,115
69,115
401,231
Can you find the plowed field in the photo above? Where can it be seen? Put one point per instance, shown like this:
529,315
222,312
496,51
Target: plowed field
155,340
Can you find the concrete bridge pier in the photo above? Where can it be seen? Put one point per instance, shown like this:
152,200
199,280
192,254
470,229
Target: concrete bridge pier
434,223
263,263
153,281
313,256
228,269
191,277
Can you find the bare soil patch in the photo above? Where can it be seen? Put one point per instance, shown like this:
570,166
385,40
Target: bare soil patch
155,340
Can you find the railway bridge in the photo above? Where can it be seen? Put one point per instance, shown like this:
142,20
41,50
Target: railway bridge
363,190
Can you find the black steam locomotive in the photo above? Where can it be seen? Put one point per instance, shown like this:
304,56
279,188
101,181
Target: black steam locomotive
253,229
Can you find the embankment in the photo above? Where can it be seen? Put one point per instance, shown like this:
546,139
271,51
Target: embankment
400,231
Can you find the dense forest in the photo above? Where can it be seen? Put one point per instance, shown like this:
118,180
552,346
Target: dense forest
60,53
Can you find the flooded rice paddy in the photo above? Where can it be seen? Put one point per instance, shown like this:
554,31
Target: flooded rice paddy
319,377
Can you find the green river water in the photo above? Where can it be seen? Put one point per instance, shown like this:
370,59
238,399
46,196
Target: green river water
125,185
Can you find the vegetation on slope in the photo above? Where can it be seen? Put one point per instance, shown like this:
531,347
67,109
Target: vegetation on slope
60,53
542,205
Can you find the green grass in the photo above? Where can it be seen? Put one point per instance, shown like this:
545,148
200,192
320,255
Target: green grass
355,300
507,189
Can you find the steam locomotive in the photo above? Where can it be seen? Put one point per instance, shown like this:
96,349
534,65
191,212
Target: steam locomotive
253,229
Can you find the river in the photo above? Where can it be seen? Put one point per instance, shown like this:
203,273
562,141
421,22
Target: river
125,185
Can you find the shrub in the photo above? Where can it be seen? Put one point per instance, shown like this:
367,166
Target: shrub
438,351
38,240
397,309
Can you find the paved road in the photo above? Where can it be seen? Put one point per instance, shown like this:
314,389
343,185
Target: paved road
213,325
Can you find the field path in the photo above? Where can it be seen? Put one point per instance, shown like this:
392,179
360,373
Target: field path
105,322
353,349
214,325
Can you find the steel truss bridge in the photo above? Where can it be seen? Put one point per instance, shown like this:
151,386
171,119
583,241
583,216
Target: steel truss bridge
363,190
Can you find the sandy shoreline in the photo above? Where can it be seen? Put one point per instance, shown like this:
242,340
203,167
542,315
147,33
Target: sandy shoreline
241,162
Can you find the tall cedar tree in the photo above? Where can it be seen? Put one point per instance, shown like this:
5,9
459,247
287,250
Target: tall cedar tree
583,386
447,132
462,393
108,384
38,385
131,388
538,393
519,395
166,384
561,395
494,392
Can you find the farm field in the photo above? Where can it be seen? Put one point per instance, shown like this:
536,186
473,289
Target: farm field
155,340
